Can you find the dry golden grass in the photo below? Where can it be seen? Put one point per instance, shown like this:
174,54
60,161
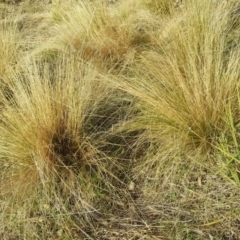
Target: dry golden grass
120,120
108,35
47,150
10,50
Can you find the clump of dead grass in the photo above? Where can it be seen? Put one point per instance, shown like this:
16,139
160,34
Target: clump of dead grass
108,35
158,151
184,89
48,156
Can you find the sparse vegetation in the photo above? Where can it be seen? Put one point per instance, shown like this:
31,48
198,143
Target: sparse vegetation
119,119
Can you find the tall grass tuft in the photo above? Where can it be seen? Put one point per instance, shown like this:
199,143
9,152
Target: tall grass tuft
109,35
183,91
52,170
185,86
120,119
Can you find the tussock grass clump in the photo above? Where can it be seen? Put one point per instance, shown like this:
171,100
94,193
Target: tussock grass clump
48,156
107,35
120,119
184,90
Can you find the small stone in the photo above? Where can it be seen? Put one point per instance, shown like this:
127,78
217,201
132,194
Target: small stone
131,186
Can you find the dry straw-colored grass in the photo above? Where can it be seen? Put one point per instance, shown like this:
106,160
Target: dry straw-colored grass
120,120
109,36
187,93
51,164
10,52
